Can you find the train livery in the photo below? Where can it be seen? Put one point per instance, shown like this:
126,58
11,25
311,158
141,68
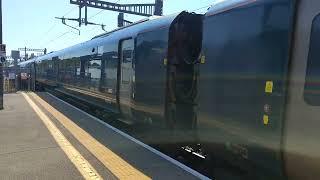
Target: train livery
241,81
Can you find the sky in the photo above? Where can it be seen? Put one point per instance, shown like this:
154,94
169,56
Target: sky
31,23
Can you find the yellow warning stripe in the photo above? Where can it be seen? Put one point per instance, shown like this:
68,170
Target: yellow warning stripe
119,167
83,166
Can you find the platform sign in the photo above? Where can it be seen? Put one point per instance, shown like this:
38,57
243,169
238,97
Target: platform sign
24,76
2,50
269,87
2,53
12,76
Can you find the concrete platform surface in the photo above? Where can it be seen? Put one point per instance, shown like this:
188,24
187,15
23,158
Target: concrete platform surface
42,137
27,149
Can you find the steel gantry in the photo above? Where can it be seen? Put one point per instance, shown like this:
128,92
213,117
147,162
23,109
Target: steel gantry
137,9
146,10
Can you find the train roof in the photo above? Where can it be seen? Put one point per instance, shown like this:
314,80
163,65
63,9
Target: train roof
150,24
226,5
24,63
147,24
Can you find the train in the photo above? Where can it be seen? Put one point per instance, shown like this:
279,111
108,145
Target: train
241,81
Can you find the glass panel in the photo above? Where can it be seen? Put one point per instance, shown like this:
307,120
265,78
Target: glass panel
94,72
110,58
127,54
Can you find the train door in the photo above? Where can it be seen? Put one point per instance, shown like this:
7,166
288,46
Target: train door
301,135
126,76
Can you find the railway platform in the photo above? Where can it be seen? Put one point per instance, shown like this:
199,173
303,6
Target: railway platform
43,137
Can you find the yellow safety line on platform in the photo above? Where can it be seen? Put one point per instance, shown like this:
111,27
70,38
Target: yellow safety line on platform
84,167
118,166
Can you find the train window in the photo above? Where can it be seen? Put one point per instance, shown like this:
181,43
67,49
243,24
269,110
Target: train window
50,71
62,70
152,46
43,67
150,53
78,68
126,64
87,71
95,72
312,83
83,76
127,56
110,57
69,71
84,66
50,66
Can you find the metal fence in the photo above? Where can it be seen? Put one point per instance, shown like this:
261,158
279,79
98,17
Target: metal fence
17,79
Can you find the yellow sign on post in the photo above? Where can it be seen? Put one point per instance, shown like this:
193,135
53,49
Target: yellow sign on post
265,119
165,61
269,87
203,59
